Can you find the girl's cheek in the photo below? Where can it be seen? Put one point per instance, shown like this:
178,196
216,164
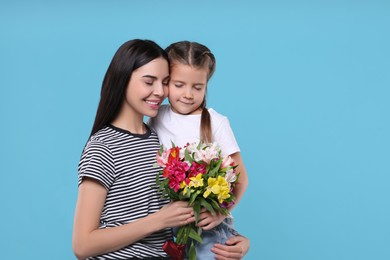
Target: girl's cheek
166,91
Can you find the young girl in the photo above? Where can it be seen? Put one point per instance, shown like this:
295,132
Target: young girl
118,215
187,120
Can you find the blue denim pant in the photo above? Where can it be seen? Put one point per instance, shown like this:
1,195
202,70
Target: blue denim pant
218,235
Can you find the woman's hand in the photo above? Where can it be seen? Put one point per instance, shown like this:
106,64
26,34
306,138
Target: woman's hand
234,249
207,220
176,214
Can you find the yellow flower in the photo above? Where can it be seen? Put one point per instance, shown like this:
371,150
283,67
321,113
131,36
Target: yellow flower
223,194
218,187
196,181
184,185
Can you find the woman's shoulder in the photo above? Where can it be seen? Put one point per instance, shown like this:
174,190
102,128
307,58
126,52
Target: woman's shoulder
102,138
105,133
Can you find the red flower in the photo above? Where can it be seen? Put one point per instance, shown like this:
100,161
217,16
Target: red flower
174,154
175,251
196,168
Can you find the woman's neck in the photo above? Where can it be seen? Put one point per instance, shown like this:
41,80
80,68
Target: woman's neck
132,123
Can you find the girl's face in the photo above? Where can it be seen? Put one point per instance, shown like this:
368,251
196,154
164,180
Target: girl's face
147,88
187,88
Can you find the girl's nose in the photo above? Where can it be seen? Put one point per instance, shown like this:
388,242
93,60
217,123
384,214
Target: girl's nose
188,94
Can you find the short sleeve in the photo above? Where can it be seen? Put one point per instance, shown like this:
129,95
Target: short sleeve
97,162
224,136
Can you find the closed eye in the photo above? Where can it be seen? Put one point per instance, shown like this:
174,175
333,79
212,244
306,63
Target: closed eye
149,79
198,87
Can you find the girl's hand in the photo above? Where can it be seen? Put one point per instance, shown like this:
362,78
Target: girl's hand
176,214
235,248
207,220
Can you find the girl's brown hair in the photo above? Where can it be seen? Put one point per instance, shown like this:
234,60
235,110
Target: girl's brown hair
198,56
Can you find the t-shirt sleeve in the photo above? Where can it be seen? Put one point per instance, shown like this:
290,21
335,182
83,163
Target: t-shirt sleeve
224,136
97,162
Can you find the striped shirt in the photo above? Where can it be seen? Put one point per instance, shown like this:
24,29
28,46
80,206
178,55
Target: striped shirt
124,163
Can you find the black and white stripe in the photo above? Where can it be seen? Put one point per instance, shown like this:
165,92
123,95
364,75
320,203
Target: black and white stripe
124,164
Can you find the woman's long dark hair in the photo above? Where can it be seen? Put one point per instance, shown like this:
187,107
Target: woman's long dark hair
129,57
198,56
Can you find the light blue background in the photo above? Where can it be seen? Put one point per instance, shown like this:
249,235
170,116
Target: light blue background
306,85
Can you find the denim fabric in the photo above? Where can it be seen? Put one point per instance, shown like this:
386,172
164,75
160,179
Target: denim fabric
217,235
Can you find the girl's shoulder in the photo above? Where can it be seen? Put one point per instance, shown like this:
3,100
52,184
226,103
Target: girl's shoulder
216,115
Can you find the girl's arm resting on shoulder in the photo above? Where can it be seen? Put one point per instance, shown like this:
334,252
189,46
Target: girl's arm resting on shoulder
89,240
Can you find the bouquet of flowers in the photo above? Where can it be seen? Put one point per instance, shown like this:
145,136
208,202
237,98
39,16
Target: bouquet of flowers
196,173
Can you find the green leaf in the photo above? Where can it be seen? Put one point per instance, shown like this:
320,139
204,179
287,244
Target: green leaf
193,197
205,204
215,204
196,208
224,211
194,235
158,179
207,169
215,169
188,156
192,252
180,233
183,233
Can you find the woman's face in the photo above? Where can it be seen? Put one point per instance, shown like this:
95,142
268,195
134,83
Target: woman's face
187,88
147,88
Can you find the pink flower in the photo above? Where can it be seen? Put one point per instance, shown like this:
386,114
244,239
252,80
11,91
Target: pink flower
175,171
162,159
227,161
174,182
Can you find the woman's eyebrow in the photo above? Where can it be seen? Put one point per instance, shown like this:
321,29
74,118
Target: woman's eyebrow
150,76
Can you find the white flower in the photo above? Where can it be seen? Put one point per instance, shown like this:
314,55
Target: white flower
207,152
230,176
182,154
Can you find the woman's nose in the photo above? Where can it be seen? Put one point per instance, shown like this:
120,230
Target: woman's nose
159,90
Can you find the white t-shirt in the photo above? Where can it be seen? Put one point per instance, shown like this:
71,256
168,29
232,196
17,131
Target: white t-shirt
183,129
